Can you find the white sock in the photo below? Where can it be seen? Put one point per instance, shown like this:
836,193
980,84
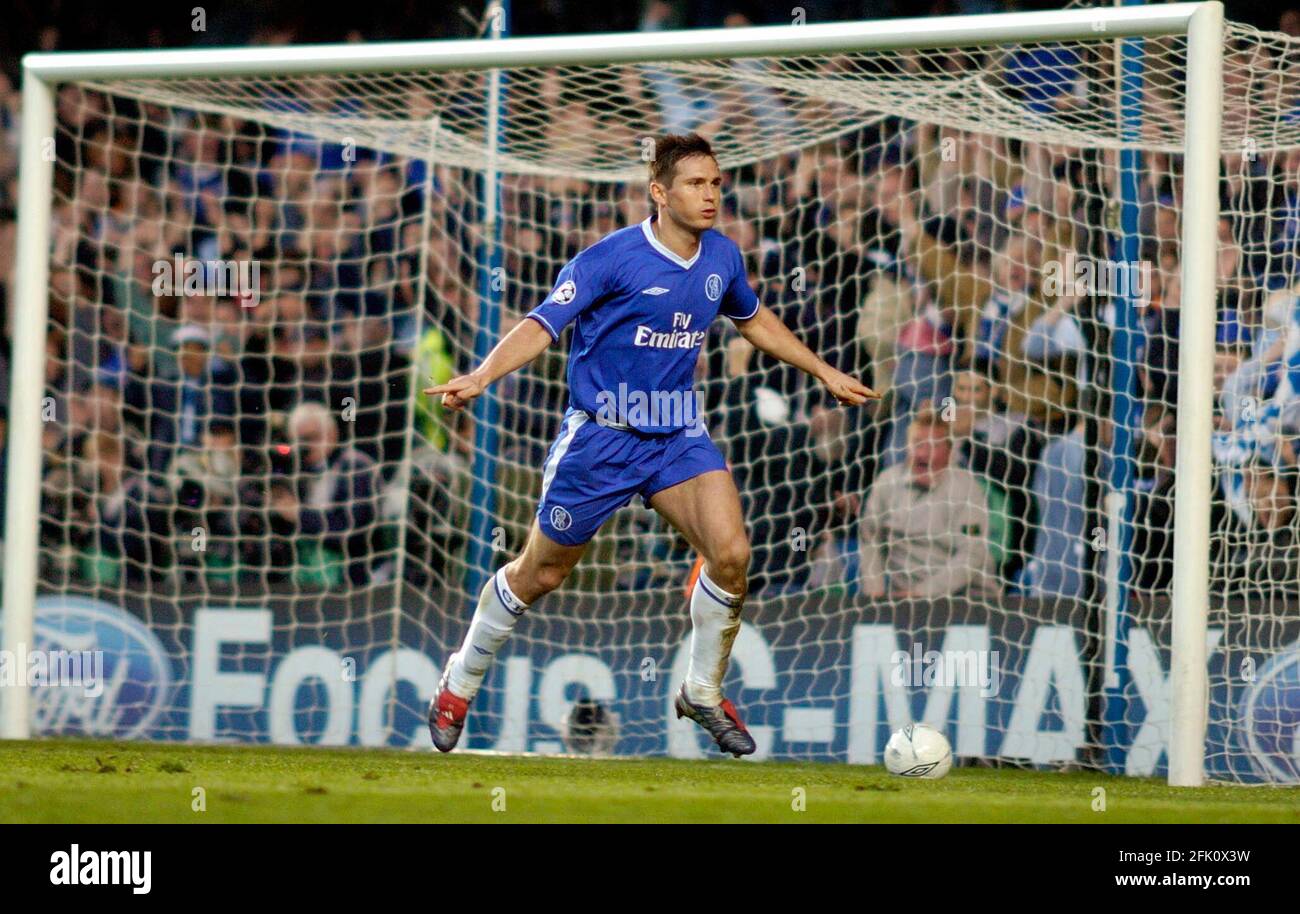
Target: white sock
715,619
494,619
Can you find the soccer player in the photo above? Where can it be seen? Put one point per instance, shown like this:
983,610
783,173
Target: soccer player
642,299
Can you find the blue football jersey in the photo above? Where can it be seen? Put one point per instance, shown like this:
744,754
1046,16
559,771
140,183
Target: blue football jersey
642,314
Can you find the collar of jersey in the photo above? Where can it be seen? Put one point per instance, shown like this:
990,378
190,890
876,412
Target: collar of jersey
659,246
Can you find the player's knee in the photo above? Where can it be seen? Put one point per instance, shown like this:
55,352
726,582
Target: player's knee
548,577
731,563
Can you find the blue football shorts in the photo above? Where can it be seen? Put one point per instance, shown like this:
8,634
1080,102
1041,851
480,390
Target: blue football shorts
592,470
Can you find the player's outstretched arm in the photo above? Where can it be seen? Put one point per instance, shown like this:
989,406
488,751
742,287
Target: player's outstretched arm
520,346
766,332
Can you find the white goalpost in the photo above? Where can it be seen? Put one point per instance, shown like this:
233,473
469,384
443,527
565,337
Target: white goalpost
887,180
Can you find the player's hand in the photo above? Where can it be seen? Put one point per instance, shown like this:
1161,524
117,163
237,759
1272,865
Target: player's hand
458,392
848,390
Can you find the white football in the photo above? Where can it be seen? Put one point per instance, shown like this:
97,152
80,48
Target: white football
918,751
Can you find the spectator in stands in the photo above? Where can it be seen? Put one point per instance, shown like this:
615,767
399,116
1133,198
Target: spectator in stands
300,367
831,317
1039,361
1153,505
842,465
888,302
203,489
199,170
1002,450
334,499
1260,406
950,251
370,371
1263,558
439,476
924,345
984,324
1059,563
176,410
924,527
111,507
1259,376
1055,336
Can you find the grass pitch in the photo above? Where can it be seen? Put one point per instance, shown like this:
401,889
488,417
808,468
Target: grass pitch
86,781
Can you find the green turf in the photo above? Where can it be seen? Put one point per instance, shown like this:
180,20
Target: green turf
83,781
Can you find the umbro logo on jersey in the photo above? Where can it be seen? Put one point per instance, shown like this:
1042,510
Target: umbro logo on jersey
655,290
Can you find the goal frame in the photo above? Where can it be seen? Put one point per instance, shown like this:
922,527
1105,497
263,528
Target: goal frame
1200,23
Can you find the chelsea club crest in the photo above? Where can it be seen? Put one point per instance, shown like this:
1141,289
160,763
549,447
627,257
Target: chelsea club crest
713,287
560,518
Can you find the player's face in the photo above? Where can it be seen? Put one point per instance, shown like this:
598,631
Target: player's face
692,199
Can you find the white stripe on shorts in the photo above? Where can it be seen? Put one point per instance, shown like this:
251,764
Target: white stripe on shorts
575,420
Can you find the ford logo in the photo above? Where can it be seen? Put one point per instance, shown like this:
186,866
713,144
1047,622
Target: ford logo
136,679
1270,716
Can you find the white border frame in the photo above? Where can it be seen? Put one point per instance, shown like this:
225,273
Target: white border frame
1201,23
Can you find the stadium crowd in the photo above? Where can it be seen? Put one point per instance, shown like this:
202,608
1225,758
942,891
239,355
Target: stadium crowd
264,432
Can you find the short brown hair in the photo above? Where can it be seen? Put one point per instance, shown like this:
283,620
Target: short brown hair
670,149
927,419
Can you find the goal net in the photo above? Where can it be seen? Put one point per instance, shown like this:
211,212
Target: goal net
246,503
